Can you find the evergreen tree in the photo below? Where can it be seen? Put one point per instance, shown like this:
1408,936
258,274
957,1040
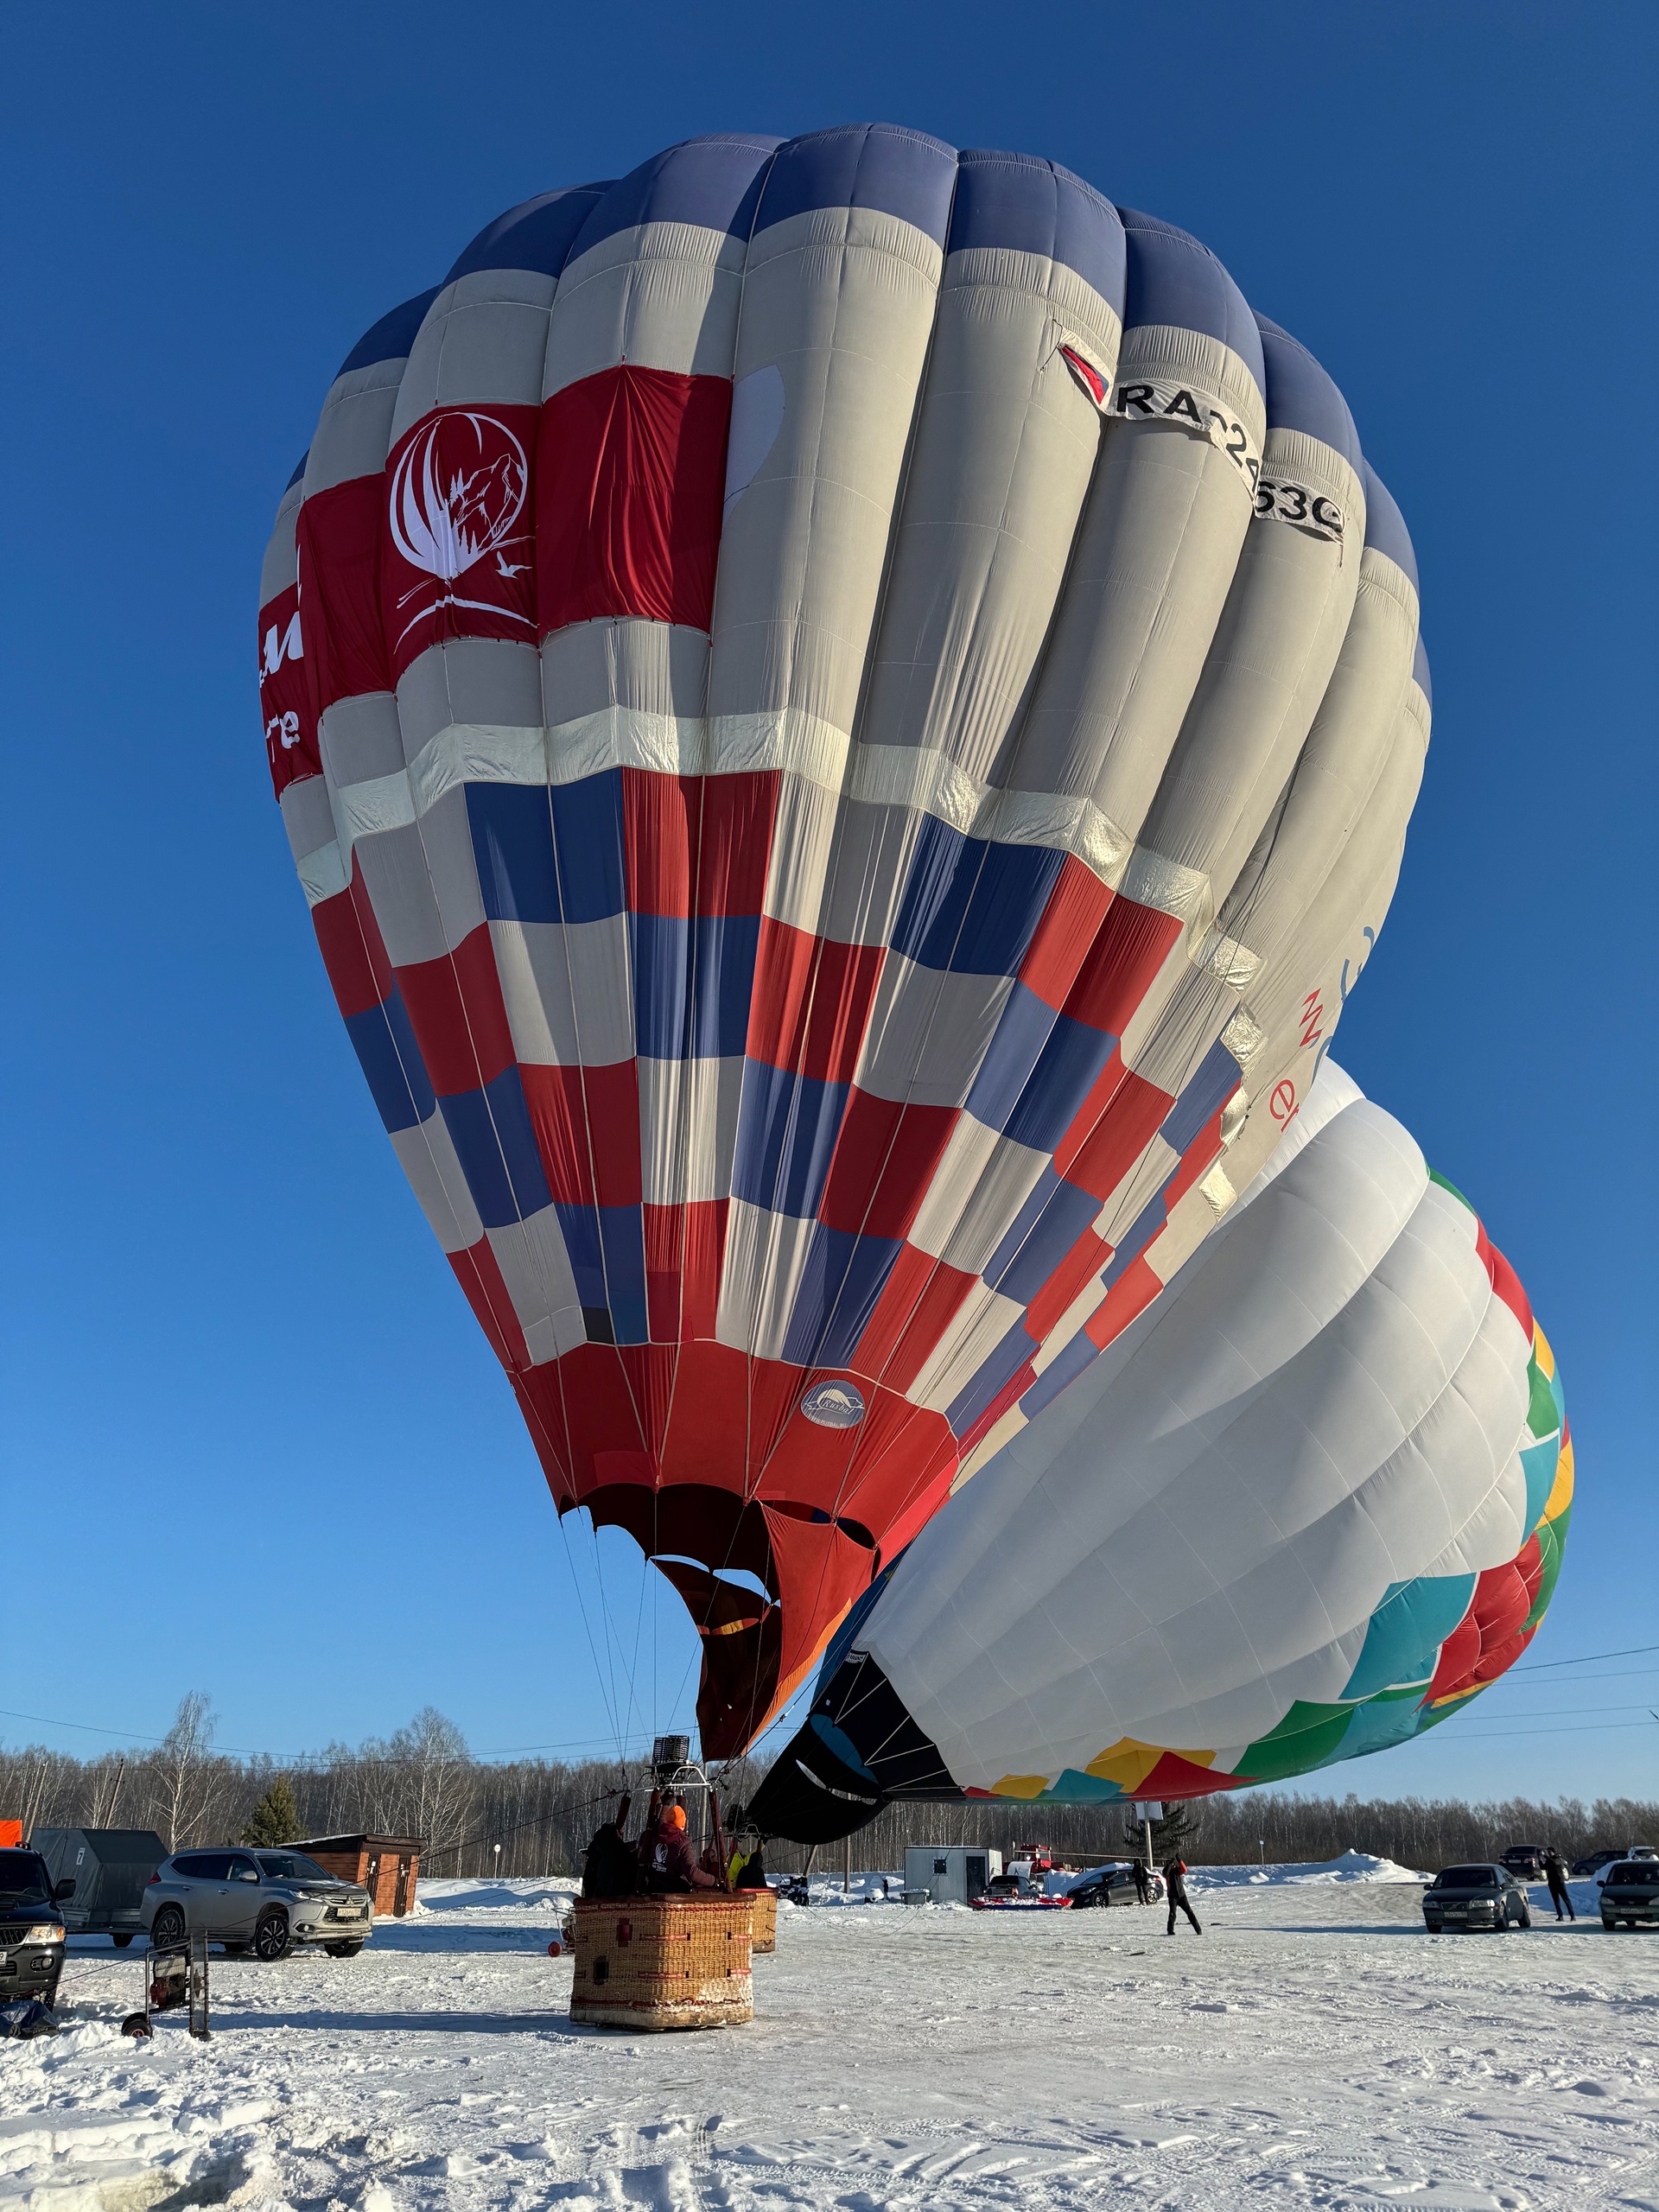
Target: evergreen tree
1170,1836
276,1817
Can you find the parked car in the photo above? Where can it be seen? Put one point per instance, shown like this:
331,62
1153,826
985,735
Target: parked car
263,1901
1596,1862
1476,1897
31,1927
1108,1885
109,1868
1526,1861
1593,1863
1631,1854
1629,1892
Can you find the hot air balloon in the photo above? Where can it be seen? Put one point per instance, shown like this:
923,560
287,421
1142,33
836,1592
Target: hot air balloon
847,714
1305,1507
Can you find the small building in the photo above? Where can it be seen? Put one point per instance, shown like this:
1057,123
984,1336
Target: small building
951,1873
386,1865
109,1868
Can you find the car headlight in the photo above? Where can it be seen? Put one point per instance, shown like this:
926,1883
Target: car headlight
43,1931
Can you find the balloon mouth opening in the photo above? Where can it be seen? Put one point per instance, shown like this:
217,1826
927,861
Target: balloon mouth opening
764,1581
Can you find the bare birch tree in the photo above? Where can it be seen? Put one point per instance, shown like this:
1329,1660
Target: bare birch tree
186,1780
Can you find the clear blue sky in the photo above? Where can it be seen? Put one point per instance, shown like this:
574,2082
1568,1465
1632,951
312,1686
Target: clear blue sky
256,1442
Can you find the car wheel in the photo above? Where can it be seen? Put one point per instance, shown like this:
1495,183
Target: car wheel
1526,1916
167,1929
273,1938
342,1950
121,1941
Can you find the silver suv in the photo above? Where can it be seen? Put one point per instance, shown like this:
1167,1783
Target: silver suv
262,1901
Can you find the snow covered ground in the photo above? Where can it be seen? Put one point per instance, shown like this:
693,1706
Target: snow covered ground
1313,2049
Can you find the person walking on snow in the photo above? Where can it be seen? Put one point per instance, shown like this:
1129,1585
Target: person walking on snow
1555,1875
1142,1883
1175,1883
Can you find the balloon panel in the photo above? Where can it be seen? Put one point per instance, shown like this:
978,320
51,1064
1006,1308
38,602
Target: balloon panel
846,716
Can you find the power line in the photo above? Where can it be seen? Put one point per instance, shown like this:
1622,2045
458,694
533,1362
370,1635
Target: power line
1564,1711
1537,1666
244,1751
1595,1728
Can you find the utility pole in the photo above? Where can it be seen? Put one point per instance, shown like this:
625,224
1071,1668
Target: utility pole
847,1866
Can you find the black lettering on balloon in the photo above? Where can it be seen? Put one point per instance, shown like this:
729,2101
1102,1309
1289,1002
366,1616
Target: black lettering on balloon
1182,405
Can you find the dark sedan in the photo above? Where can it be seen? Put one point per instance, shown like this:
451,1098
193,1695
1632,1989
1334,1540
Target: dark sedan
1110,1885
1583,1868
1476,1898
1631,1893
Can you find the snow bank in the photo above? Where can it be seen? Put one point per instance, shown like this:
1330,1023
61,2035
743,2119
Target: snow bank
484,1893
1352,1866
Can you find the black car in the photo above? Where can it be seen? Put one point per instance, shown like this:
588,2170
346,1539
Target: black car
1475,1897
1631,1893
1110,1886
1526,1859
31,1927
1598,1860
1010,1885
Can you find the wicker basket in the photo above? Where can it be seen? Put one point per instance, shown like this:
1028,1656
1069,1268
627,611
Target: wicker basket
765,1935
664,1962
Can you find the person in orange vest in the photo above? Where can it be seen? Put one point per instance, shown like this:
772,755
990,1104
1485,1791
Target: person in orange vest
669,1863
1175,1883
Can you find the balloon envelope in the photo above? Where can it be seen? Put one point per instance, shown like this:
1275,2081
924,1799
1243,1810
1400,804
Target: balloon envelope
1307,1507
846,714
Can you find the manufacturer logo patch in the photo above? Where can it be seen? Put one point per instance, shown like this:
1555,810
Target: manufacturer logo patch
459,538
834,1405
458,490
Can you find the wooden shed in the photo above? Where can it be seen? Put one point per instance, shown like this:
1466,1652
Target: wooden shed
386,1865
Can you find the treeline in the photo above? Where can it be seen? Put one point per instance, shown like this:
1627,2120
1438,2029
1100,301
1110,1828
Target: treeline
1229,1831
423,1781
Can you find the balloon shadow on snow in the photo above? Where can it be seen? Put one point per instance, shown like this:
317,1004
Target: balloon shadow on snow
412,1938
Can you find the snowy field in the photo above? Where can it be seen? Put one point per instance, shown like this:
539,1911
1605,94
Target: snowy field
1313,2049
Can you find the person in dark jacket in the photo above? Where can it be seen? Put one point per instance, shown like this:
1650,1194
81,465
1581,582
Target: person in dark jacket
1555,1875
669,1863
611,1868
1142,1883
1175,1883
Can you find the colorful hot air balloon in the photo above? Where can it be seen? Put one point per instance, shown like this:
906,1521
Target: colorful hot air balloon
846,712
1305,1507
